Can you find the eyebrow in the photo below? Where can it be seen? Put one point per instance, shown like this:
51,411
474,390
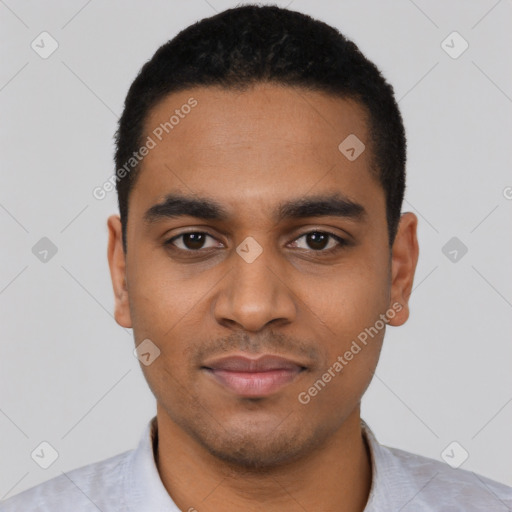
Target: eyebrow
178,205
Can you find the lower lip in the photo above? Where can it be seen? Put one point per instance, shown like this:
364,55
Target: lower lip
256,384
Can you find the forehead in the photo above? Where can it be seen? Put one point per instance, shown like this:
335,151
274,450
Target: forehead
282,115
259,146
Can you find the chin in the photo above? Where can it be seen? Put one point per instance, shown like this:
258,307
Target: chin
251,453
254,450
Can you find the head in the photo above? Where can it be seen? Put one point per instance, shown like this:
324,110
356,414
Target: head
260,213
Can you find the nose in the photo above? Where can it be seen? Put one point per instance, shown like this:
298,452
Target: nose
255,293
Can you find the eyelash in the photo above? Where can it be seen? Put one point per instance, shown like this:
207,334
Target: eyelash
341,242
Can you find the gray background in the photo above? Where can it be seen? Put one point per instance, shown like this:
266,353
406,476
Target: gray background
67,372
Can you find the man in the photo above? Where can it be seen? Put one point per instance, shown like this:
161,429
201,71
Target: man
259,255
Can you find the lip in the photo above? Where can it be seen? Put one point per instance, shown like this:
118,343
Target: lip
253,378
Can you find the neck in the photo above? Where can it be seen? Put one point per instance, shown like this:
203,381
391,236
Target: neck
334,477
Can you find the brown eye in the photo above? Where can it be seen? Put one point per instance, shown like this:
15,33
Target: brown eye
321,241
317,241
192,241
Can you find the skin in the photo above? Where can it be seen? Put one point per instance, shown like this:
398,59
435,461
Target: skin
250,151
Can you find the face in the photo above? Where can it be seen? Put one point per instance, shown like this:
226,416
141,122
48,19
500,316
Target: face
284,253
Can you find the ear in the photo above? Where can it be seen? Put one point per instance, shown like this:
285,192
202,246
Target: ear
404,257
117,264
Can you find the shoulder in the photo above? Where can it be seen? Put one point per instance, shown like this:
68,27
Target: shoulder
409,482
435,485
88,488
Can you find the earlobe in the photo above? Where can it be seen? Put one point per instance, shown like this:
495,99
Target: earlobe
404,258
117,264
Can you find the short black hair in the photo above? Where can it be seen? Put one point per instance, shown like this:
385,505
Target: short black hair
252,44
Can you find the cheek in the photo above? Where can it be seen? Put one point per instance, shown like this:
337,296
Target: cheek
352,310
351,306
169,308
166,309
351,299
161,296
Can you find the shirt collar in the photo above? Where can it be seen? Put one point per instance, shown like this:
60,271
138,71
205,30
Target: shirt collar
144,489
145,492
390,479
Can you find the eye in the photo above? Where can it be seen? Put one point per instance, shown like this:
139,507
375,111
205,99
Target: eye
318,241
191,241
322,241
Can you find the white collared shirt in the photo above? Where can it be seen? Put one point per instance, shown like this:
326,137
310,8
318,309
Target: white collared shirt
129,482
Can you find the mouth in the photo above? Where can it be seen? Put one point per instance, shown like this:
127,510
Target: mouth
253,378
